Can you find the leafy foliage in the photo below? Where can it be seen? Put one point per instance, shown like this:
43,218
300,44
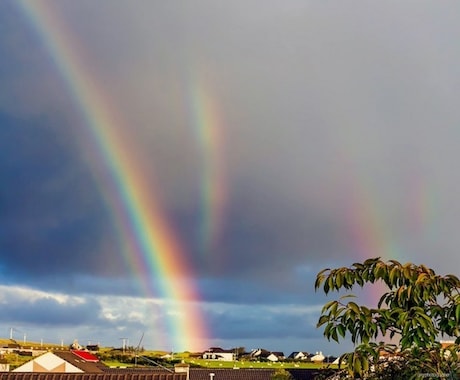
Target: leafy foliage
418,308
281,374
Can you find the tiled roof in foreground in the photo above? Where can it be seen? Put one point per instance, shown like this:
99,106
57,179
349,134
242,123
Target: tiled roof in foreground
247,374
144,374
92,376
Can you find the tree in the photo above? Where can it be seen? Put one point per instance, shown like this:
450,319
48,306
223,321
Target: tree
281,374
239,351
418,309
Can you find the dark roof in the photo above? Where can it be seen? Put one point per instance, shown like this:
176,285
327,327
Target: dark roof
195,374
294,353
247,374
91,376
218,350
80,362
260,352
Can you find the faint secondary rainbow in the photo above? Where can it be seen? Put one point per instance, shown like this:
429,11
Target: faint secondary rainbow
150,246
367,222
207,125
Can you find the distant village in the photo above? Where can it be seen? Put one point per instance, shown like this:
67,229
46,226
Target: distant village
84,363
213,353
260,354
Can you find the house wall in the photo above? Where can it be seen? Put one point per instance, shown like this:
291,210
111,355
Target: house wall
225,356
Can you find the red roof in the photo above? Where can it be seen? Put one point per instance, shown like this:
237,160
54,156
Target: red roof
85,355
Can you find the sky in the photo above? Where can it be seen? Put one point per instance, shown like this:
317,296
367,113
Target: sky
175,174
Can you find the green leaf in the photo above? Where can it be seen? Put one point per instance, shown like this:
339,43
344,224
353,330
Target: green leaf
320,278
327,306
322,320
334,335
341,329
353,307
339,280
393,275
372,261
357,368
326,287
327,330
365,365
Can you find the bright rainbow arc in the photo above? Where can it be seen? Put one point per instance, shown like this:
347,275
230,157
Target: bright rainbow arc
150,246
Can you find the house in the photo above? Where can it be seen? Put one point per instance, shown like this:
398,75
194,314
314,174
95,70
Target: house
262,354
217,353
83,365
259,353
275,356
92,347
73,361
298,355
318,357
337,361
4,366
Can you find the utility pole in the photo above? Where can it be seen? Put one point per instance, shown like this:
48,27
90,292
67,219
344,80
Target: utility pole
124,343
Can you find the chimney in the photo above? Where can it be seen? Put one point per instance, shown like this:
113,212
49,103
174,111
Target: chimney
182,368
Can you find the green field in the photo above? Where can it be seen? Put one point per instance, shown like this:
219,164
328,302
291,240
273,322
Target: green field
252,364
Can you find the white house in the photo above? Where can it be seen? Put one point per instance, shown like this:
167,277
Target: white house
298,355
73,361
275,356
48,362
217,353
262,354
318,358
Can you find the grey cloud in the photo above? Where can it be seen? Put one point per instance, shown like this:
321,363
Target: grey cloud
48,311
269,321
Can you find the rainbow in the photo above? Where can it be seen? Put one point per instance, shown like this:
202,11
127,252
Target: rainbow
368,228
149,245
206,126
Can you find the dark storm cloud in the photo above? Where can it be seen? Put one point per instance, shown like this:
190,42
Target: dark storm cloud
268,321
52,215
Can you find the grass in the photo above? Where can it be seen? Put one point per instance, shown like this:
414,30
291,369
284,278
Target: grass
244,364
28,344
